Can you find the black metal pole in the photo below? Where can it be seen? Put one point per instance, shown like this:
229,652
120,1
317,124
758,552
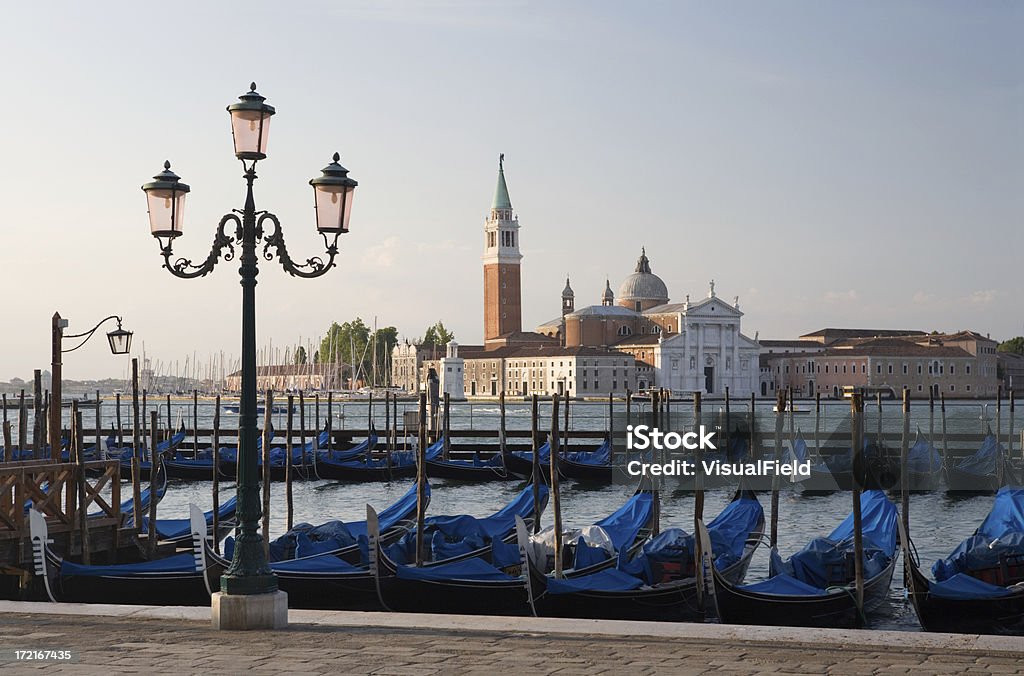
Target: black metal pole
249,572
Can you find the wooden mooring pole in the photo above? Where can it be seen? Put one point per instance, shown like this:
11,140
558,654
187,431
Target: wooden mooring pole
136,450
8,444
387,418
728,424
288,461
817,425
330,423
302,438
535,463
195,423
120,428
904,469
44,424
931,425
698,502
22,424
999,413
216,475
556,505
145,418
857,432
154,472
698,455
98,455
268,437
445,425
780,413
502,445
942,415
421,477
83,504
37,408
1009,432
565,430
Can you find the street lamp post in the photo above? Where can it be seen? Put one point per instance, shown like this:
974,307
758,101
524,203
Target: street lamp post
120,342
249,576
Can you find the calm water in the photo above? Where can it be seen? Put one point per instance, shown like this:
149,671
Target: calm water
938,523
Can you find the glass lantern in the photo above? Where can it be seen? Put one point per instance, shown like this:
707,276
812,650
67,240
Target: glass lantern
165,196
250,125
333,192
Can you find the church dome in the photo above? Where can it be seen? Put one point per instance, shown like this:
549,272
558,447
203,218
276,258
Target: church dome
643,285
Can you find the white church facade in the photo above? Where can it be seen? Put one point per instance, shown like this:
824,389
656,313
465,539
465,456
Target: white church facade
708,354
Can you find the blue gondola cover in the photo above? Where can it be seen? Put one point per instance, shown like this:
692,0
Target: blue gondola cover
179,563
986,461
469,569
964,587
1000,535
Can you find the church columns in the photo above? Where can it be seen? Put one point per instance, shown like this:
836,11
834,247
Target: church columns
736,372
699,375
684,372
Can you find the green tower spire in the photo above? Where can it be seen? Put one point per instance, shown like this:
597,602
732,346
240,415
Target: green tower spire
501,199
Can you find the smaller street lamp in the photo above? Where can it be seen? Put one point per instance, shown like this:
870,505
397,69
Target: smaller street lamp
120,342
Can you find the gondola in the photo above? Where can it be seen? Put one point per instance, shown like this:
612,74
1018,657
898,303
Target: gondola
477,469
356,451
343,540
980,473
830,474
189,467
336,579
814,588
492,580
176,580
520,463
592,465
979,588
179,531
124,455
924,465
398,466
659,584
326,581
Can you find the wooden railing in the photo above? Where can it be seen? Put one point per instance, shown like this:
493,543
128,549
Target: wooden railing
53,489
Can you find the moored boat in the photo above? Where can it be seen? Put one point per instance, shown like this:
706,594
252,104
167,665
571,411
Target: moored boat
979,587
815,587
982,472
660,583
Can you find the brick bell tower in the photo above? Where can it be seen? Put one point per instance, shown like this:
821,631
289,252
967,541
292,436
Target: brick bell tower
502,297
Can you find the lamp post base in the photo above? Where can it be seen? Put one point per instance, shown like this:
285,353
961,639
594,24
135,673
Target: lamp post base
250,611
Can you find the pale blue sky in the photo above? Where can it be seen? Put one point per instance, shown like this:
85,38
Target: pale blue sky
833,164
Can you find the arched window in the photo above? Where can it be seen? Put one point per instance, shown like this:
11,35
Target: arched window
655,329
625,331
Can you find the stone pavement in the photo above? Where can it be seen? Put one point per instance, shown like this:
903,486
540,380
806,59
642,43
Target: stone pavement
141,639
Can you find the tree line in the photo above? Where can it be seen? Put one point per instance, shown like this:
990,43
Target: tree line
356,349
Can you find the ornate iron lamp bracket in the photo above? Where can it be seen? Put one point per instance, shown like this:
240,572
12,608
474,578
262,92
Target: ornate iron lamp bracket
313,267
183,267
